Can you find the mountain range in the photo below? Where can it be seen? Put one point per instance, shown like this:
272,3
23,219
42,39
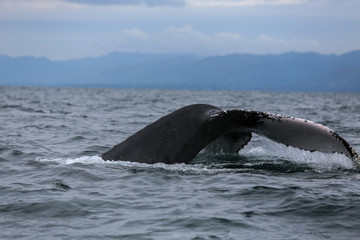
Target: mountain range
282,72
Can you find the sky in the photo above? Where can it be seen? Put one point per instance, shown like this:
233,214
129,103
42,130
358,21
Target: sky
71,29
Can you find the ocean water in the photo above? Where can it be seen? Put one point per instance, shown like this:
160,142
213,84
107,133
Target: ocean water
54,185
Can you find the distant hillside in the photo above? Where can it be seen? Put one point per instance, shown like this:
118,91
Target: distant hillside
283,72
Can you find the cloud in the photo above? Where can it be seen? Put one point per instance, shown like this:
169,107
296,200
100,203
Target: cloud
131,2
31,4
186,40
239,3
71,4
38,4
182,40
177,40
62,29
134,33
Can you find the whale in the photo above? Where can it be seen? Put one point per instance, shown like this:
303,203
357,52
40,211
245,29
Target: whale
181,135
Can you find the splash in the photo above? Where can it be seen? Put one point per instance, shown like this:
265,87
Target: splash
187,169
82,159
251,157
321,162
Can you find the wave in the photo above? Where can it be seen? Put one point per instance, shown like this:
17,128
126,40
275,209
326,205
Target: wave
321,162
270,157
82,160
179,167
21,108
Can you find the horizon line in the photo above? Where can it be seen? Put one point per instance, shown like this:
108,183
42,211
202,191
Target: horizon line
177,54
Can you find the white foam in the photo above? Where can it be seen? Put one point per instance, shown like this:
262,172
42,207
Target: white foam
321,162
82,159
192,169
178,168
318,160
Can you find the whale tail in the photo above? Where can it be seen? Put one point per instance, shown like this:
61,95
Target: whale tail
179,136
299,133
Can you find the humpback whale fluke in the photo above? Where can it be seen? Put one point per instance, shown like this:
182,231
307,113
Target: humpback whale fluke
179,136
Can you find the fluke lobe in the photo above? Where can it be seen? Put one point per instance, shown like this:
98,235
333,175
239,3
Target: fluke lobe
179,136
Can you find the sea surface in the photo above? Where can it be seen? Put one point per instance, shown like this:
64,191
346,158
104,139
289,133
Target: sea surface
54,185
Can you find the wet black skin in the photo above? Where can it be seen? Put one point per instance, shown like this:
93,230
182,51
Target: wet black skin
179,136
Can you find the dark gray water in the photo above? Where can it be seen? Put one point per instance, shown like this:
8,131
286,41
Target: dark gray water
54,185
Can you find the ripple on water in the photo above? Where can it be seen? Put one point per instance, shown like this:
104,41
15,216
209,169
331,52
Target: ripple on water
54,185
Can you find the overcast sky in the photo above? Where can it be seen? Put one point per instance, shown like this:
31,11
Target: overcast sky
67,29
